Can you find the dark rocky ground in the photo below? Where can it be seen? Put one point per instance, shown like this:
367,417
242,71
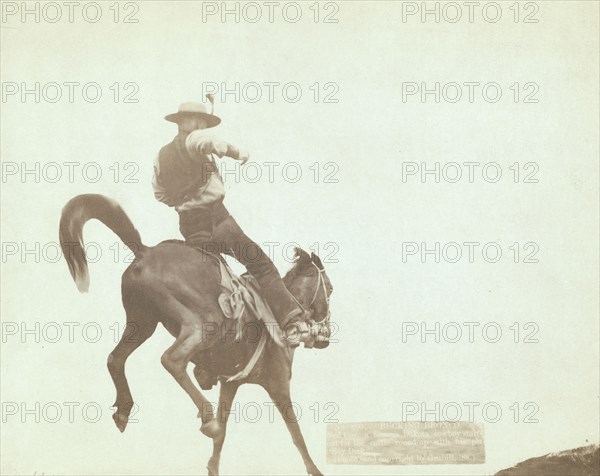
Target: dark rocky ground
584,461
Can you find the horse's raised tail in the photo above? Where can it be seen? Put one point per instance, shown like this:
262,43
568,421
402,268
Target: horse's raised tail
75,214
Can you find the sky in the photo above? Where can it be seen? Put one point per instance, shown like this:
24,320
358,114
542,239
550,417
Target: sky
361,109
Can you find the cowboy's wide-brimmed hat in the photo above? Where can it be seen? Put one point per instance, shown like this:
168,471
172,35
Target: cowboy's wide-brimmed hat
194,109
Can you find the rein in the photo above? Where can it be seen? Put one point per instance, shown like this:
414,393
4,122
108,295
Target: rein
320,283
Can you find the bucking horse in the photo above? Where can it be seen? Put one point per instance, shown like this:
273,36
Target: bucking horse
177,285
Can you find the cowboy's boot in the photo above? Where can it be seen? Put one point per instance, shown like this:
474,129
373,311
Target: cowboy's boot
293,320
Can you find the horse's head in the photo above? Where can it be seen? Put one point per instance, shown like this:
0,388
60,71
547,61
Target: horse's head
309,283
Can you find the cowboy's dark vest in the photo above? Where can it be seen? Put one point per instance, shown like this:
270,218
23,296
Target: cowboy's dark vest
180,174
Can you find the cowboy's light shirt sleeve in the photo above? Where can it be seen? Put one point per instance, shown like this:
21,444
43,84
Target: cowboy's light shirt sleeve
159,191
200,143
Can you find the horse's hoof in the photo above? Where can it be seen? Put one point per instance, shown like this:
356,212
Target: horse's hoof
121,421
212,428
213,468
314,472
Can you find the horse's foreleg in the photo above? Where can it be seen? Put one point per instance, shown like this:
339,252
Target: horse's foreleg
283,402
226,396
135,334
175,360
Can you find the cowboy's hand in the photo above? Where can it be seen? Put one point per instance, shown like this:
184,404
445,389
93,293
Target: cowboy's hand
243,156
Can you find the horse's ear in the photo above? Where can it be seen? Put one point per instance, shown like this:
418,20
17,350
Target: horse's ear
315,259
302,257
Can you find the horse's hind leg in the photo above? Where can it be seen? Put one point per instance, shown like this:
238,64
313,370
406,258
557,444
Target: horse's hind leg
226,396
175,360
135,334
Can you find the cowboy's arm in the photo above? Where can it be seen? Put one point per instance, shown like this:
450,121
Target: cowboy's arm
197,142
159,190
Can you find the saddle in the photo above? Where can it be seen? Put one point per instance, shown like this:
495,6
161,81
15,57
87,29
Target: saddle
242,301
248,317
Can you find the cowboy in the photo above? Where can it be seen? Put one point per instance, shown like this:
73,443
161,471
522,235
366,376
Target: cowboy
186,178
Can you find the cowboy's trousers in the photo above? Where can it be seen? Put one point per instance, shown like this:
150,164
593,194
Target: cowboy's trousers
215,230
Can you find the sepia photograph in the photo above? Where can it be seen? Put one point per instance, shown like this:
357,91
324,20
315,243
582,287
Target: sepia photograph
353,238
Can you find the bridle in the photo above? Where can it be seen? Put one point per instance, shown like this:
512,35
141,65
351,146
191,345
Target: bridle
322,327
321,284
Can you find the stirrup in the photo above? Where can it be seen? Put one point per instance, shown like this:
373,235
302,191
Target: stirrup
323,334
320,333
295,332
309,332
